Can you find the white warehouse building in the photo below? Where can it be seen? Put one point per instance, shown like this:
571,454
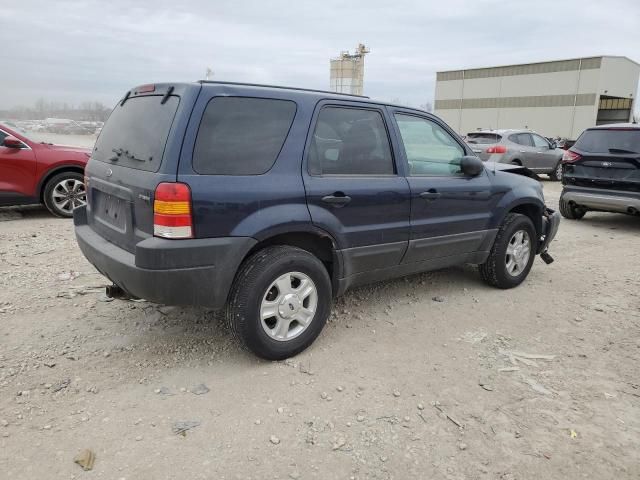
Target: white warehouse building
557,99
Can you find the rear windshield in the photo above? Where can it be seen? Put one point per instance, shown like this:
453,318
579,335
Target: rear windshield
603,140
136,133
241,136
483,138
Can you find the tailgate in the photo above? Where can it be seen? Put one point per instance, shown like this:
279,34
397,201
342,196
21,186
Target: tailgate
137,149
606,158
610,171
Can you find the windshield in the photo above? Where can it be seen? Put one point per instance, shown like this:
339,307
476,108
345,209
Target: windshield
135,134
605,140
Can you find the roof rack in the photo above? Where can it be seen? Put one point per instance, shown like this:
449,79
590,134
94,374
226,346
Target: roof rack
281,87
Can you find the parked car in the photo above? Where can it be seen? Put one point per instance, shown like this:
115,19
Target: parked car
565,143
271,201
520,147
602,172
34,172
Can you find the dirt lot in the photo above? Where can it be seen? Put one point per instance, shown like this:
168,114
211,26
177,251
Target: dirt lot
538,382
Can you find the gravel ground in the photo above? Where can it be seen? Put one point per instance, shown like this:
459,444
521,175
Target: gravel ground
433,376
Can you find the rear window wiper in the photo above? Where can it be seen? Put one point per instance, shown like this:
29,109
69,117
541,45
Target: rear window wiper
621,150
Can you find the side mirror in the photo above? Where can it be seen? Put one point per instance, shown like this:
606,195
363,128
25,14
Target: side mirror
471,165
553,146
12,142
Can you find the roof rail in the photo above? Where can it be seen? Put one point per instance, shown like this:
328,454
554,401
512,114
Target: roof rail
279,86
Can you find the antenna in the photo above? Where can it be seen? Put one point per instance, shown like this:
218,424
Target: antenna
208,74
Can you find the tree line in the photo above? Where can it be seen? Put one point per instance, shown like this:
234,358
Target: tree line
41,109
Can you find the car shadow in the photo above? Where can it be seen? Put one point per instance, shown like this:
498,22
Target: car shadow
612,221
24,212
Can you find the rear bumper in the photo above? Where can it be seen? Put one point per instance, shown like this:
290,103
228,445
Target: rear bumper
173,272
601,199
550,224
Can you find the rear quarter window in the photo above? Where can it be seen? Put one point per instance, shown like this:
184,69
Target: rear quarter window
483,138
241,135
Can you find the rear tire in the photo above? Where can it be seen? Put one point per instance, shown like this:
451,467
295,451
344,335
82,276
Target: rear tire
556,174
64,192
516,162
506,268
569,211
269,310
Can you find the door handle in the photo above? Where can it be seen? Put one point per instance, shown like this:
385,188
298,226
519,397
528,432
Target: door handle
338,199
523,151
431,194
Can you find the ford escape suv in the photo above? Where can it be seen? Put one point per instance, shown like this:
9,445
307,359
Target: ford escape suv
602,172
270,201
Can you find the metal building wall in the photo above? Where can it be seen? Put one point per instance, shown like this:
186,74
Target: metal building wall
557,98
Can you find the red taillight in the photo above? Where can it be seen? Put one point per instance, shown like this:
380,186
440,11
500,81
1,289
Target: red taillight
172,211
497,149
570,157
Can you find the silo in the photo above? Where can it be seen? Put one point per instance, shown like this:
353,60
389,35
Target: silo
347,71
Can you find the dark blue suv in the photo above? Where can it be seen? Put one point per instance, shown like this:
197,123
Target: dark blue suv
271,201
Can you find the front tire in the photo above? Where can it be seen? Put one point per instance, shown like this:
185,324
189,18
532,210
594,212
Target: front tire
569,211
64,192
512,254
279,302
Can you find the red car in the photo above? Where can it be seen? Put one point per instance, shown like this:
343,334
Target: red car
35,172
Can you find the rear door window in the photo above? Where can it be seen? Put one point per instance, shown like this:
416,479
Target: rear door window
609,141
350,141
241,135
522,139
136,133
539,141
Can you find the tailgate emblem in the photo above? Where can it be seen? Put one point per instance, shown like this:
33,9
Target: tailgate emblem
109,172
606,164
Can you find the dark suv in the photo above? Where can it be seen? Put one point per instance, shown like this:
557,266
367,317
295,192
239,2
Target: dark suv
271,201
602,172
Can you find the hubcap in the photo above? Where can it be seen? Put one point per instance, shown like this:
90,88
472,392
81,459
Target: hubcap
518,253
559,172
69,194
288,306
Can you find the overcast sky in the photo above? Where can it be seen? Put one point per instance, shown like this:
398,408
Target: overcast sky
78,51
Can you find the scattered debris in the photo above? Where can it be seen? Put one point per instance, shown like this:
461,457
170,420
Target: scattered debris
396,393
486,386
439,299
275,440
573,434
50,364
180,428
339,443
536,387
449,417
105,299
200,389
67,276
462,446
509,369
86,459
163,391
61,385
